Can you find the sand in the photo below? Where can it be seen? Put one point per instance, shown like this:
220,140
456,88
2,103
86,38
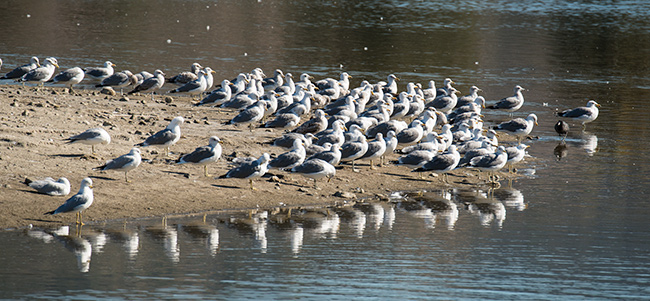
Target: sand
35,122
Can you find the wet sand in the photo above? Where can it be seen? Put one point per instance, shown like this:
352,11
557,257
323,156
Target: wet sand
35,123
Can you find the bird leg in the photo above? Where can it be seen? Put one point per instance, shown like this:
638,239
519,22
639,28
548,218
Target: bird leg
251,182
205,170
372,166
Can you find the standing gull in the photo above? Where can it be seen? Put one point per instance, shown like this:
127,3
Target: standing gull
195,87
515,155
118,80
290,159
582,114
376,149
18,72
187,76
353,150
491,162
518,127
315,125
151,84
49,186
250,170
251,115
315,169
100,73
511,103
69,77
442,163
167,137
218,96
91,137
331,156
41,74
124,162
204,155
78,202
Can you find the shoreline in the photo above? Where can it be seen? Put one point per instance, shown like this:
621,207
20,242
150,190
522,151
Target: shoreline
36,122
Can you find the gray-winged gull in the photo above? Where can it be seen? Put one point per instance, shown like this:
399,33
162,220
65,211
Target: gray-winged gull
69,77
376,149
91,137
445,103
314,125
518,127
337,135
515,155
391,85
18,72
124,162
49,186
391,145
315,169
353,150
331,156
204,155
491,162
277,80
255,169
250,115
151,84
510,103
167,137
582,114
186,76
118,80
78,202
100,73
442,163
446,87
41,74
219,96
290,159
469,98
284,121
411,135
195,87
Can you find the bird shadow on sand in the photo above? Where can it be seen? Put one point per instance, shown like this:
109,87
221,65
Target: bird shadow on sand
227,186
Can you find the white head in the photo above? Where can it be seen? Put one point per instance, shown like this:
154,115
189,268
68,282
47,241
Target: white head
86,182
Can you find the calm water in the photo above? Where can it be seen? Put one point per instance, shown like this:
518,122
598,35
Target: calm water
576,228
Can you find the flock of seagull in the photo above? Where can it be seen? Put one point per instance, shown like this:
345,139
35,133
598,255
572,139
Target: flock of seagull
327,122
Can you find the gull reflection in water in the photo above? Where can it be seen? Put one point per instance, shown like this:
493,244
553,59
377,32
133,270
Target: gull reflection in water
432,206
375,213
254,223
321,222
485,206
209,234
353,217
510,197
79,246
169,237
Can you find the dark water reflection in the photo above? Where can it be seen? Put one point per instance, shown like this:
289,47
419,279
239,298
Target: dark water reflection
581,231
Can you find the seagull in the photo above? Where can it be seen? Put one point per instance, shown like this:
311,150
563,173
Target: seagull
151,84
315,169
204,155
195,87
376,149
511,103
467,99
515,154
442,163
315,125
187,76
118,80
49,186
491,162
250,115
22,70
69,77
78,202
583,114
218,96
91,137
518,127
251,170
100,73
331,156
290,159
353,150
167,137
445,103
124,163
41,74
